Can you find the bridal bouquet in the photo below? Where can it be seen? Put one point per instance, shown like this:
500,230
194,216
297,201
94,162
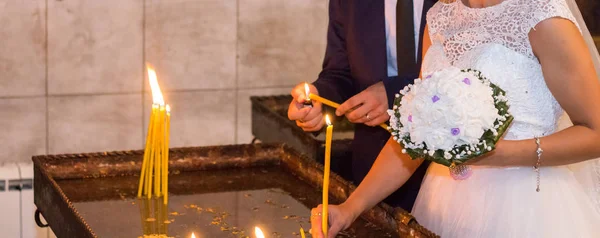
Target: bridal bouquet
450,117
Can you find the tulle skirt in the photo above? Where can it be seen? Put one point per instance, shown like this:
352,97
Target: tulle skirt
502,202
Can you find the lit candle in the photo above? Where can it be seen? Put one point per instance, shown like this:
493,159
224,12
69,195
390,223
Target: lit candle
328,137
258,232
165,166
157,99
193,236
151,166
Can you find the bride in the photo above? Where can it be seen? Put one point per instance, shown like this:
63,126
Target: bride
535,51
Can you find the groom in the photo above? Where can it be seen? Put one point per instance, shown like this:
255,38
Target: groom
373,51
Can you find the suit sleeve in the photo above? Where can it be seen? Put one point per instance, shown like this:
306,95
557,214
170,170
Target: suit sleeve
335,81
392,86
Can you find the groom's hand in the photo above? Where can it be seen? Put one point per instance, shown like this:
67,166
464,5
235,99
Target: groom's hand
368,107
307,118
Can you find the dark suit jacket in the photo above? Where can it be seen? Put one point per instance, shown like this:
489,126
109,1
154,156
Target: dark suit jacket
355,59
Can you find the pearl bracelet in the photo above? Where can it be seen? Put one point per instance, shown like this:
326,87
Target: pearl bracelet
536,168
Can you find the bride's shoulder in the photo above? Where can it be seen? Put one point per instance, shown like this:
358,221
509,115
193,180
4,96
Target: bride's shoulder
537,7
538,3
533,12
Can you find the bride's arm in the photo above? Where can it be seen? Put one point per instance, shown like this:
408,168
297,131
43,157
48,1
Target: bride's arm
570,76
426,45
391,169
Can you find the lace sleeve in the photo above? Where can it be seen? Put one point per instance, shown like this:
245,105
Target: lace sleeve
541,10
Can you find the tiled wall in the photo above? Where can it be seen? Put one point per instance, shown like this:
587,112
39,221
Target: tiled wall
72,75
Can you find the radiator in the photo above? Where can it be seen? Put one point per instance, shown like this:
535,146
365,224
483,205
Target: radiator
16,203
10,200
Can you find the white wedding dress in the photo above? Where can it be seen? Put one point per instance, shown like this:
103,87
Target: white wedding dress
494,201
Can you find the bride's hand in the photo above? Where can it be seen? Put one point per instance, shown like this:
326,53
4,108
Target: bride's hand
340,218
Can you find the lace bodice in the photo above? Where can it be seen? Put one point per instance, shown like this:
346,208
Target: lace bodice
494,40
460,28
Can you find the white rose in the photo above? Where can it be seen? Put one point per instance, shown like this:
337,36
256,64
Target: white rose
420,104
440,139
433,116
473,130
417,135
451,88
457,114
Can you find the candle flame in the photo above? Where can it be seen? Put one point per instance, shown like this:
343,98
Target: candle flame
258,232
327,120
193,236
157,97
307,91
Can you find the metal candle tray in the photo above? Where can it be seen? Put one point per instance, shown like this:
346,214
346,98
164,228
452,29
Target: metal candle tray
64,182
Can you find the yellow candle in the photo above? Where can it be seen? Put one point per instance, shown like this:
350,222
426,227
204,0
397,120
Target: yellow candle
154,156
335,105
157,163
147,151
165,166
154,169
159,126
328,137
149,177
302,233
151,156
384,126
323,100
